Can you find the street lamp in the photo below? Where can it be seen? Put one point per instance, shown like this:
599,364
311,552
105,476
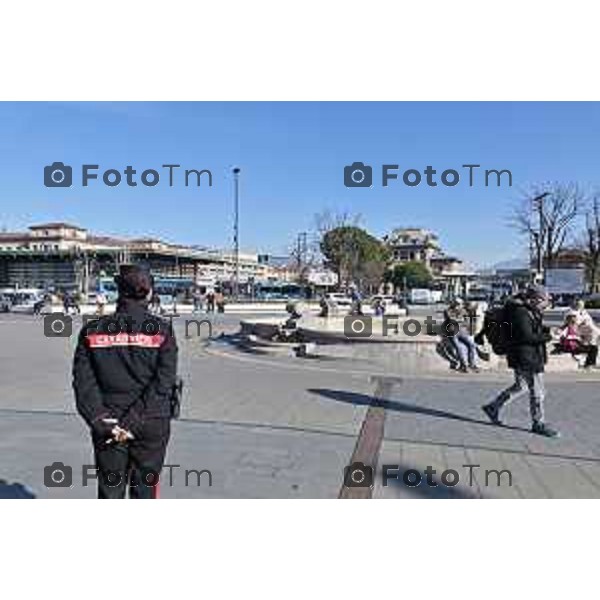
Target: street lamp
538,202
236,230
536,243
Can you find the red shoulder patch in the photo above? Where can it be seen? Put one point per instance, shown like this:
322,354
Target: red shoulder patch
139,340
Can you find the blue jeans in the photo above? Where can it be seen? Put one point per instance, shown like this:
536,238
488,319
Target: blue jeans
525,381
466,349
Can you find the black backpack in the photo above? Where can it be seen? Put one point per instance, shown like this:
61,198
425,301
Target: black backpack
497,329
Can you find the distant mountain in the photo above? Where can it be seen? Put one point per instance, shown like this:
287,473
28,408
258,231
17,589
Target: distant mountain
510,264
513,263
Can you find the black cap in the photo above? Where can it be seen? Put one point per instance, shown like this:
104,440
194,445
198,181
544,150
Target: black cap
134,281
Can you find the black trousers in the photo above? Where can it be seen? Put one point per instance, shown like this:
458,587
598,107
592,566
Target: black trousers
591,353
136,465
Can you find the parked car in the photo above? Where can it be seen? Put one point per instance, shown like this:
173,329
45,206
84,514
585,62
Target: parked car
420,296
25,300
339,298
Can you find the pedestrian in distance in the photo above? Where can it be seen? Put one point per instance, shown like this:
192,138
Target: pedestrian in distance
40,305
70,304
324,306
197,299
155,304
78,300
210,301
219,301
525,340
356,299
125,383
101,302
378,307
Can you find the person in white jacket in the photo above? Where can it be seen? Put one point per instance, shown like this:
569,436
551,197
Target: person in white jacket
586,327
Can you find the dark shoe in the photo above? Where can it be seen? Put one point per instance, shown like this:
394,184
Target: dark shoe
543,429
483,355
463,369
492,413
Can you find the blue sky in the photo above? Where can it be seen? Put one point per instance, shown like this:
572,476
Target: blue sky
292,157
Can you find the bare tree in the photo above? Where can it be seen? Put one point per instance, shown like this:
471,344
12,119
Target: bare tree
305,255
327,220
372,275
591,241
547,216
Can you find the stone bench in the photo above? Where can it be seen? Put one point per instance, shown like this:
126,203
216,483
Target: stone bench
393,352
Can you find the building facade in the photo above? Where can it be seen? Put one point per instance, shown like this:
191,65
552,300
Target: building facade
412,244
62,256
415,244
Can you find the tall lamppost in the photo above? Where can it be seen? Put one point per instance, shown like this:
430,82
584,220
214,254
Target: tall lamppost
538,205
236,230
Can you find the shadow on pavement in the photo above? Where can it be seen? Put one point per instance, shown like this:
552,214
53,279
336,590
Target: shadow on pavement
438,491
399,406
15,491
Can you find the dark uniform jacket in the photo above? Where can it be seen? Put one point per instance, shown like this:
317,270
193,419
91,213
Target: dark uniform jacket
127,375
526,346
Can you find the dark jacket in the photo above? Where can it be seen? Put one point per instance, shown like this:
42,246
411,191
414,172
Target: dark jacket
127,375
526,347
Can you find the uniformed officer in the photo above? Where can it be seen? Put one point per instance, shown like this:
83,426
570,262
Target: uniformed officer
124,376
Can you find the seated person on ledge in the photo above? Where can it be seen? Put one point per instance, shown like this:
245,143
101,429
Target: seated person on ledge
571,341
463,342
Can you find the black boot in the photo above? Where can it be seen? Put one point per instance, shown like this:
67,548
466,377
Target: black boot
545,430
493,413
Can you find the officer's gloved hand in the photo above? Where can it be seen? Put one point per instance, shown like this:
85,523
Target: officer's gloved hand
132,422
103,427
121,435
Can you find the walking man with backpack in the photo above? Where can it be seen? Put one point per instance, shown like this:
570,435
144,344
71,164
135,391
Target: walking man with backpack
522,336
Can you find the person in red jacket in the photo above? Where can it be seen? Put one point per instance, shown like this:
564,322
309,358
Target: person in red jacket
124,374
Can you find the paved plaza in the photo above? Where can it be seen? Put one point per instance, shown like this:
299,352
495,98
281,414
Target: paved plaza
256,425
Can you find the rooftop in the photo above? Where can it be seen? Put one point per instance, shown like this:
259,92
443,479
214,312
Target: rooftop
58,225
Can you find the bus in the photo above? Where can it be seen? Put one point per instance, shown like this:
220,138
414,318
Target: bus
279,291
180,287
165,287
108,287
